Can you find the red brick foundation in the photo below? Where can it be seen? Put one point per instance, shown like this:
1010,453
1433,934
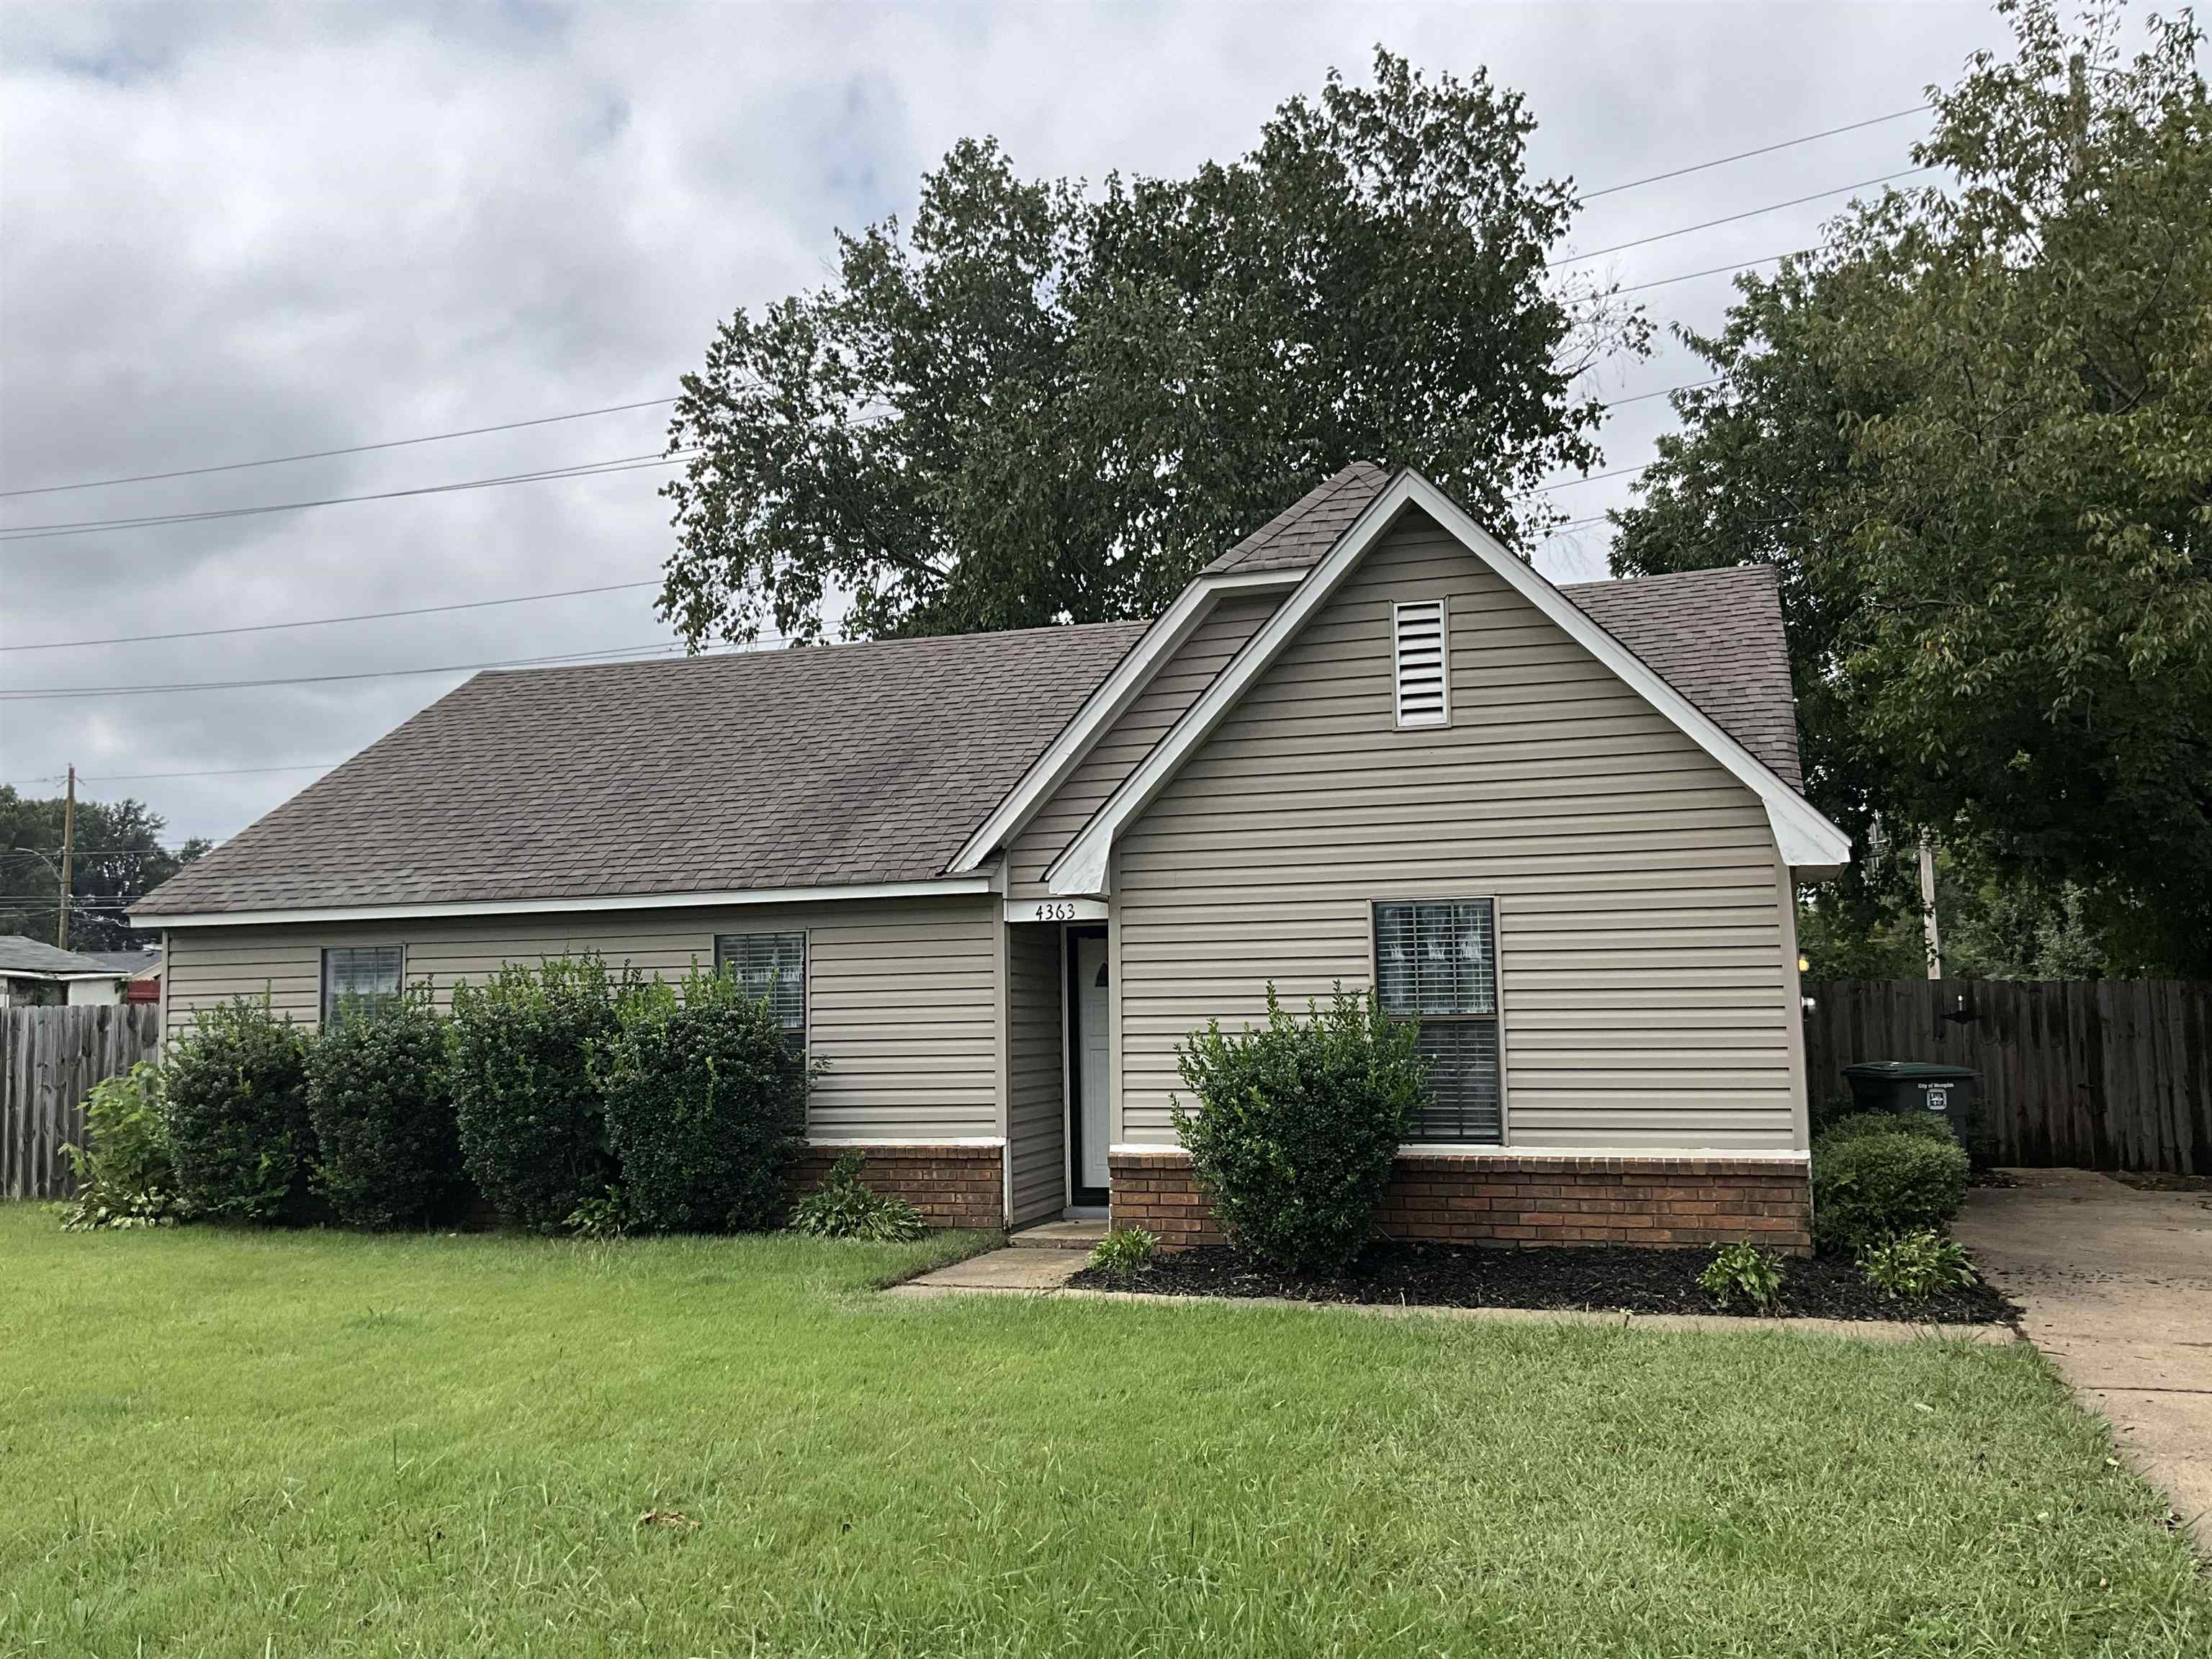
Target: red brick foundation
1524,1199
951,1186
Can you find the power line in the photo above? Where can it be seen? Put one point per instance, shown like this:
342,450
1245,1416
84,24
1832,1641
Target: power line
207,772
1764,149
86,526
1731,218
325,454
1713,270
629,651
325,622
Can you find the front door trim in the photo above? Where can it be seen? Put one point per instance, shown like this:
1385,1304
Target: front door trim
1071,1053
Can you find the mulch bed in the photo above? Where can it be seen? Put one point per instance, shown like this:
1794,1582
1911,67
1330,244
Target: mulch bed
2151,1181
1607,1277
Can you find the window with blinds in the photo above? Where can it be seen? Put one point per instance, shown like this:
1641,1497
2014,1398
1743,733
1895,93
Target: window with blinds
360,978
1422,676
1437,962
771,966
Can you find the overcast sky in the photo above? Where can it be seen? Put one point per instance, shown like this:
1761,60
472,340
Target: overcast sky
229,232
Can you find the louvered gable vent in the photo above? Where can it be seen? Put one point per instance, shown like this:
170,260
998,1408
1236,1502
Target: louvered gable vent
1423,675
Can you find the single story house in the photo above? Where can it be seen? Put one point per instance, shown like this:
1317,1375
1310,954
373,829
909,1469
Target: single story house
35,975
1000,877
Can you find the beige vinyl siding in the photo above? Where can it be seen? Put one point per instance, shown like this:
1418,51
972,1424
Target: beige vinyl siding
899,994
1173,688
1036,1107
1645,997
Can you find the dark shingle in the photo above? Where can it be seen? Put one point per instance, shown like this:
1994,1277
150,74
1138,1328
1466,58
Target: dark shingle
1306,530
823,766
1716,637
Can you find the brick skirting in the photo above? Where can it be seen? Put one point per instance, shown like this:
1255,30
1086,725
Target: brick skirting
951,1186
1532,1198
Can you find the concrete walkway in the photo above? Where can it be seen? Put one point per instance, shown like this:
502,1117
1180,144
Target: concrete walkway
2118,1288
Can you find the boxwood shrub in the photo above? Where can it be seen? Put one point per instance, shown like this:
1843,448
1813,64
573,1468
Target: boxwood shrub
706,1101
1297,1124
1867,1187
1931,1125
239,1136
532,1122
383,1115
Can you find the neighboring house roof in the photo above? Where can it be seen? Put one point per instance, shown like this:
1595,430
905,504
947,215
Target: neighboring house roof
123,963
844,766
24,957
822,766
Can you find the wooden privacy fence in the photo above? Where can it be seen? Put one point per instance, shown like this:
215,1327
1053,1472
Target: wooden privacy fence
50,1058
2093,1075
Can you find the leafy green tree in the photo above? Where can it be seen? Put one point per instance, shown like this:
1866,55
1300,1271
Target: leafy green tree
122,860
1972,432
1042,403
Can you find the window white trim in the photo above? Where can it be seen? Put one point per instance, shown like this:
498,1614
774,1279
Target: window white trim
1108,702
912,1140
533,907
1421,692
1807,841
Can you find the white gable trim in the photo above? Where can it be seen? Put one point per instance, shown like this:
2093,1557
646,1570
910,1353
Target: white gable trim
1806,840
558,907
1108,703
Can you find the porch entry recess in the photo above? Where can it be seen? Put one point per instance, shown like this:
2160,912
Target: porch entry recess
1089,1066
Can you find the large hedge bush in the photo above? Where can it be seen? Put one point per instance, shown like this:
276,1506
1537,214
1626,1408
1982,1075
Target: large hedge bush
1869,1187
383,1115
532,1121
1932,1126
1297,1124
237,1106
706,1101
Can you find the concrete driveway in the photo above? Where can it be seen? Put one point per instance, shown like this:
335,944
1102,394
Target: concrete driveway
2118,1288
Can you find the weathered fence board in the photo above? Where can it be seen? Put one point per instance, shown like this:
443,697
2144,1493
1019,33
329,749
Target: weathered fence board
2097,1075
50,1058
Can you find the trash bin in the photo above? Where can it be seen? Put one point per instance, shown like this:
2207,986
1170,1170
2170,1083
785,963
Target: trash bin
1915,1087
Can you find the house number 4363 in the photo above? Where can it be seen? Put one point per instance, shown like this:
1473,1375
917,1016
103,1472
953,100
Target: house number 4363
1061,910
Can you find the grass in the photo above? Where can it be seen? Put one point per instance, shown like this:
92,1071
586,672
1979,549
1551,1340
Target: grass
226,1444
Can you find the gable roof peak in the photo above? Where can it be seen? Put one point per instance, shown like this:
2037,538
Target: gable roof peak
1304,532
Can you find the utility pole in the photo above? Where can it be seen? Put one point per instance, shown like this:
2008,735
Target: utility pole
1928,907
68,837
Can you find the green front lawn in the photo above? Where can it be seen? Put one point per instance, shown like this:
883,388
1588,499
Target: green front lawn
224,1444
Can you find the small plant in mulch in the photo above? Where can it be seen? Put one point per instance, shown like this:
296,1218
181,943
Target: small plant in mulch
1742,1274
1124,1253
844,1207
1915,1266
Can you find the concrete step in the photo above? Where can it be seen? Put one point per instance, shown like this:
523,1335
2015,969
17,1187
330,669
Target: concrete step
1078,1234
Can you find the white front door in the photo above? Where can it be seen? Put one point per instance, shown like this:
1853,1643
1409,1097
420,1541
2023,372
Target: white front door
1094,1060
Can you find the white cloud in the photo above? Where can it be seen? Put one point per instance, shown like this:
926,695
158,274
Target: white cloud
240,232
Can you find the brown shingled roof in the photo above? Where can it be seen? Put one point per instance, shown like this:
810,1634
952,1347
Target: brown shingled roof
827,766
1304,532
1716,637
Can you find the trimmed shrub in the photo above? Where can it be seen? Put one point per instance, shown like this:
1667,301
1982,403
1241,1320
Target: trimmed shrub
1297,1126
531,1121
706,1100
844,1207
1124,1253
240,1137
1930,1125
383,1115
1913,1267
1869,1188
1742,1272
124,1175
